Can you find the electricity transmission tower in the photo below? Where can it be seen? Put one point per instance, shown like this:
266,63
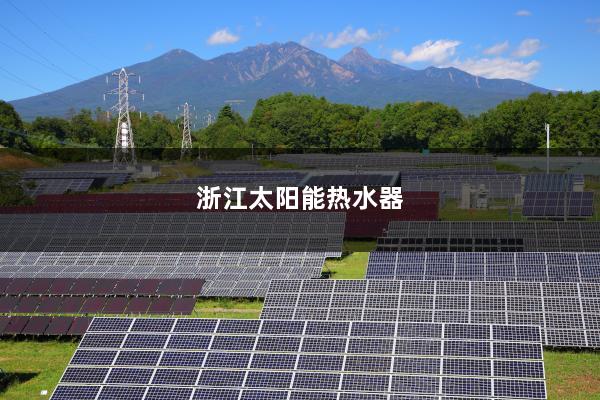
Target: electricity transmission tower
186,140
124,151
209,119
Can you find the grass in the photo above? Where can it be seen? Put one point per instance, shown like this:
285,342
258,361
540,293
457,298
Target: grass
451,212
228,308
351,266
33,366
572,375
13,160
276,164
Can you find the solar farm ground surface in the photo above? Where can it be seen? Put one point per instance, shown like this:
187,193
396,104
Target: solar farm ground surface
35,365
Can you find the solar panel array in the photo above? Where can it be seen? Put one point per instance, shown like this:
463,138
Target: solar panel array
568,313
491,236
558,204
234,274
382,160
236,253
552,182
164,188
302,360
535,267
351,180
283,177
214,226
57,186
118,305
499,186
107,178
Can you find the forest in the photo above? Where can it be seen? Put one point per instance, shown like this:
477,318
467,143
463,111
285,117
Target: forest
289,122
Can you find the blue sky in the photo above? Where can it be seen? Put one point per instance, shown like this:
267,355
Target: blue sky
48,44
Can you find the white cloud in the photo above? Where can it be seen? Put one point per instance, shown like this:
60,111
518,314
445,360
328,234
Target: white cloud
436,52
499,68
309,39
222,36
349,37
594,23
523,13
497,49
258,22
528,47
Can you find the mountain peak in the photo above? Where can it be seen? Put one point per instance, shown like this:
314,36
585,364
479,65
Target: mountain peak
357,55
360,61
178,55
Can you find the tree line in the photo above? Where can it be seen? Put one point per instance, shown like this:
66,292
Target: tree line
293,122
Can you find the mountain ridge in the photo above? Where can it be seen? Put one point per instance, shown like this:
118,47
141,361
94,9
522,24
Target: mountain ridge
263,70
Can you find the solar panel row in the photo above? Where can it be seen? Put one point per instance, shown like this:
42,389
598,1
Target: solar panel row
534,267
568,313
213,225
43,325
96,305
211,359
234,274
382,160
491,236
101,287
348,180
552,182
36,187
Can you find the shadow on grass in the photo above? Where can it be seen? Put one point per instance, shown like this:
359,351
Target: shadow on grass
10,378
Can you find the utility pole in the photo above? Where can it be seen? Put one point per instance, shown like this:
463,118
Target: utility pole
186,140
124,150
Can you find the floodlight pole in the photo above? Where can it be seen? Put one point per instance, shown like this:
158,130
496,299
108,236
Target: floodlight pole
547,126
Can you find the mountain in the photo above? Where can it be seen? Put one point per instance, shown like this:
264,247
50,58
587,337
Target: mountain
264,70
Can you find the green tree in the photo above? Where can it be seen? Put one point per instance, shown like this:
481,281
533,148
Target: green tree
11,121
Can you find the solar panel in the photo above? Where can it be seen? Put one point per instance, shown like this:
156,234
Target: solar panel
567,312
482,236
254,359
36,325
552,182
558,204
540,267
56,186
59,326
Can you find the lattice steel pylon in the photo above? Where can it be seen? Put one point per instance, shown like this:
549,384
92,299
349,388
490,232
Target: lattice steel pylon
124,150
186,140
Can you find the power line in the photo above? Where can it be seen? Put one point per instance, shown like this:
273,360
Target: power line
77,32
38,53
49,67
25,83
52,38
